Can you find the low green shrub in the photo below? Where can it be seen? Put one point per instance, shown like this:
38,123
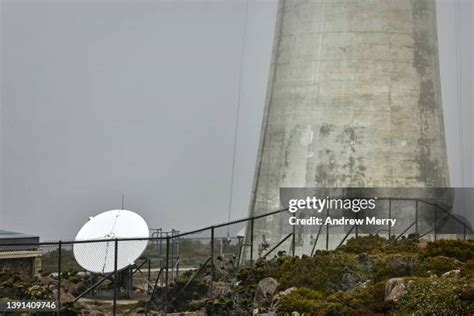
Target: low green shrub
327,272
335,309
392,266
16,286
368,244
407,245
468,269
437,296
302,300
437,265
462,250
375,244
364,300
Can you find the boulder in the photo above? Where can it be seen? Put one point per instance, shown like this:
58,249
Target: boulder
452,274
66,297
46,281
266,289
395,288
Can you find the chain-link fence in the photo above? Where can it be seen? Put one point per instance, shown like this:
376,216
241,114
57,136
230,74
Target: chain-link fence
177,268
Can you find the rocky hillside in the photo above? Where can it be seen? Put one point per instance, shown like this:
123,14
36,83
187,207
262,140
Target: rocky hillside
367,276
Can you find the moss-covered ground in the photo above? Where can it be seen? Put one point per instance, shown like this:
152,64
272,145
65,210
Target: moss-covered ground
352,280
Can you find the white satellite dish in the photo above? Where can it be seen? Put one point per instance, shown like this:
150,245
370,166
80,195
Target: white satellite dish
99,257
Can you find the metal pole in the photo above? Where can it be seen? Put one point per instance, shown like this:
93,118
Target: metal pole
416,217
212,260
293,241
172,254
166,272
464,228
251,241
115,277
59,275
357,226
389,217
327,230
435,220
149,269
177,268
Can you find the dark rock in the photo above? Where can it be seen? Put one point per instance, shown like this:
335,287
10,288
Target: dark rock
366,261
348,282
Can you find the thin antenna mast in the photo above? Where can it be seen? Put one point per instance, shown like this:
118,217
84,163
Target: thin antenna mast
236,129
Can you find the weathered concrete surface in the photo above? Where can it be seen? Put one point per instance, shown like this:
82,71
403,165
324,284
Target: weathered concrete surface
353,101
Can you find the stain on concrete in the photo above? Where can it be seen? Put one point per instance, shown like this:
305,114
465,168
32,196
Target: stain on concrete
325,129
430,171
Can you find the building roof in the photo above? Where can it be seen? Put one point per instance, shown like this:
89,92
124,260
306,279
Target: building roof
4,234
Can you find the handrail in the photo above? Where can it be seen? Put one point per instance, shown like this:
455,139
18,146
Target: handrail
71,242
195,275
406,229
154,290
277,245
93,286
316,240
347,235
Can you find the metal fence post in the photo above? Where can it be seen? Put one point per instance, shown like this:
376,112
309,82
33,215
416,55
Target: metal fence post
59,274
167,260
212,261
293,241
327,230
251,241
389,217
416,217
165,296
149,269
114,312
357,226
177,268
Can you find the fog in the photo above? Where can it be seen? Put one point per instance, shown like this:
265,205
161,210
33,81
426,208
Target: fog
103,98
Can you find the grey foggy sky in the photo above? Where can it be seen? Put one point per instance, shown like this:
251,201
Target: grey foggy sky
103,97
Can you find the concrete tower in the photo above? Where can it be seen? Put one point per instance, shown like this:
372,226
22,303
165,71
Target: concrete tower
353,101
